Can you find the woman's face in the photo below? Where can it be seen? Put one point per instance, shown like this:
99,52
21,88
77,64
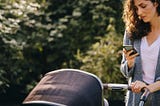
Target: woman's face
146,10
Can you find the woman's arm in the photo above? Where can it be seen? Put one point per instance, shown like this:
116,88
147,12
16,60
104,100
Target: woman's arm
137,86
125,69
154,87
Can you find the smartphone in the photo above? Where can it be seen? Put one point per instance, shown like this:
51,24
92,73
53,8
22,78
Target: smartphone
130,47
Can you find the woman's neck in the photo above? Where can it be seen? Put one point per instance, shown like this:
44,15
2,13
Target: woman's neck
155,25
155,31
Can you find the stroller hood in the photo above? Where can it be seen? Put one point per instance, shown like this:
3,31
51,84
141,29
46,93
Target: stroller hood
69,87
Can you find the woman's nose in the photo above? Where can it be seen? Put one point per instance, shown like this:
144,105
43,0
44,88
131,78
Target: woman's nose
139,12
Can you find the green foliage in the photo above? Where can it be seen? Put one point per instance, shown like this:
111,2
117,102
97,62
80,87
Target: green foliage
103,59
17,27
38,36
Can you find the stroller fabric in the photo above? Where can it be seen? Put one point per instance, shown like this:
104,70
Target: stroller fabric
68,87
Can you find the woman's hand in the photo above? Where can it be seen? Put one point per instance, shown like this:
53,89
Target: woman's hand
130,58
137,86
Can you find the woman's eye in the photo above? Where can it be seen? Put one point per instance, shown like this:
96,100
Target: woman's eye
143,6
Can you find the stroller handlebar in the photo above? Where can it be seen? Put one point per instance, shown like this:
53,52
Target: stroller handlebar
111,86
145,94
116,86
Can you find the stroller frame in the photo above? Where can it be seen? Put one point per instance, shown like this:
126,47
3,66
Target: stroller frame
72,87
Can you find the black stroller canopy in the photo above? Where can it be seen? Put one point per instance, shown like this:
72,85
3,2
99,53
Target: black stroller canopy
68,87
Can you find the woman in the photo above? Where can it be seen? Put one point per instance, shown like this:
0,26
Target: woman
142,21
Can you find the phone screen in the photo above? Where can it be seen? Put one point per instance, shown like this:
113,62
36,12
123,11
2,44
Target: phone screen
130,47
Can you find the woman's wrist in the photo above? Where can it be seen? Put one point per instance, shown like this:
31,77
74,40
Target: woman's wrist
130,65
150,88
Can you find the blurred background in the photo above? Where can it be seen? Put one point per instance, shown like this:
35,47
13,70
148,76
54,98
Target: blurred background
38,36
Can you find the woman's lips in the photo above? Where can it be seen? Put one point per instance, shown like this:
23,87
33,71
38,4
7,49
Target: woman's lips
142,17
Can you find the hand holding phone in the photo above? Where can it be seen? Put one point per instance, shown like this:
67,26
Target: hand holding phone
130,47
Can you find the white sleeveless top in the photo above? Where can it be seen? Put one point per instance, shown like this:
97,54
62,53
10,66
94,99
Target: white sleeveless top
149,58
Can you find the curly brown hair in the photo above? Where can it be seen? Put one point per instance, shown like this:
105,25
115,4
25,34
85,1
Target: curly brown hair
135,26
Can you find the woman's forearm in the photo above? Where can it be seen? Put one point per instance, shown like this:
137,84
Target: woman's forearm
154,87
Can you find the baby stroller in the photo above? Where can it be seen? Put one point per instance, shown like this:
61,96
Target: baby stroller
67,87
70,87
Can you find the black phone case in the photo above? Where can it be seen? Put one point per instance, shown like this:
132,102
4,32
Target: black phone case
130,47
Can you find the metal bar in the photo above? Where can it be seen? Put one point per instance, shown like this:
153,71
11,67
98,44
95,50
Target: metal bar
112,86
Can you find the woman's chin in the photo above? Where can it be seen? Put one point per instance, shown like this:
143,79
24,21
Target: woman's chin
145,20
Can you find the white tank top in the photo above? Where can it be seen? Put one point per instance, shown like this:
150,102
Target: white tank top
149,58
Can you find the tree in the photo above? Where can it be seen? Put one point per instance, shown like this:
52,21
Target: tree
38,36
103,59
